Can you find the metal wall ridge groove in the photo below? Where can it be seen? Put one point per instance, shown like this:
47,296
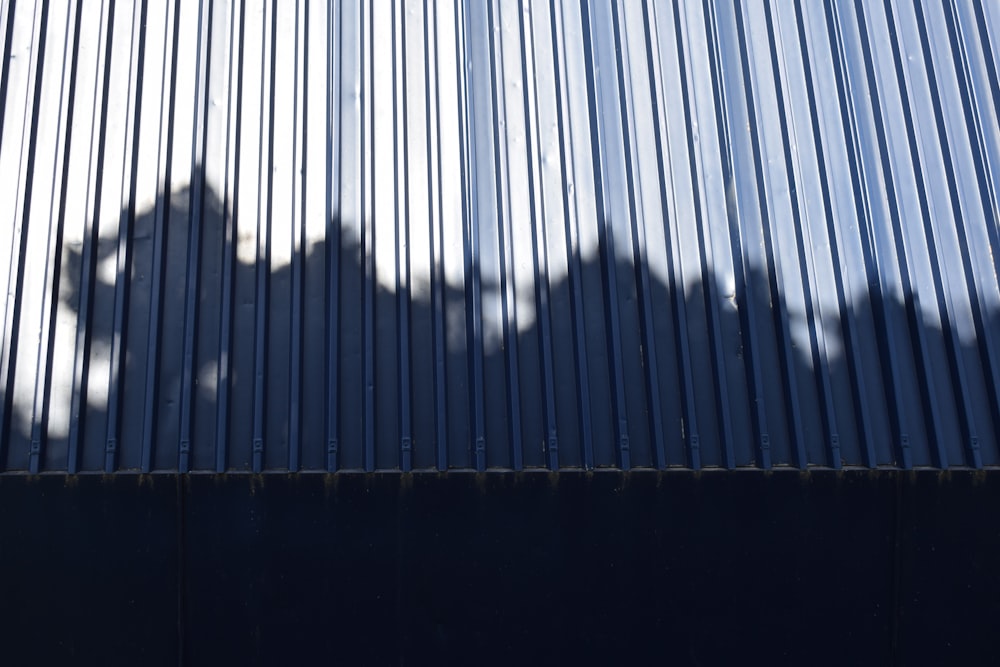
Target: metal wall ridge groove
249,236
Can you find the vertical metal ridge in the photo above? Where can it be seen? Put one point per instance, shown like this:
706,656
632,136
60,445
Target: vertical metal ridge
126,223
860,390
89,247
985,173
639,250
988,48
470,228
351,148
829,411
505,250
921,363
574,268
958,372
873,270
817,343
931,401
402,235
540,246
434,195
743,281
263,241
230,212
367,223
298,215
160,223
332,235
689,426
8,362
609,269
196,204
711,300
771,267
974,124
773,250
8,43
847,121
44,370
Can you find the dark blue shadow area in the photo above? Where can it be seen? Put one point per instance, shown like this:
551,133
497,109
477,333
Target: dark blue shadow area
90,571
192,358
949,583
602,568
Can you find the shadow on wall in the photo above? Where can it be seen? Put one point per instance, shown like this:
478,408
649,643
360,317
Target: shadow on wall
227,351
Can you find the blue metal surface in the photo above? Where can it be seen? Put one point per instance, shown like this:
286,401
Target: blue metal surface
249,236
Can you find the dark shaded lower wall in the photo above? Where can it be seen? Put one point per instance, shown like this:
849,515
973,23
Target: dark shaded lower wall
820,568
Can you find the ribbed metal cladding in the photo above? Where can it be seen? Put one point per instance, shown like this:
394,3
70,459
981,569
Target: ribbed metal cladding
249,236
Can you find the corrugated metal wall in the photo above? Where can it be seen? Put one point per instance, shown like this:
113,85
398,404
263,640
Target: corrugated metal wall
510,234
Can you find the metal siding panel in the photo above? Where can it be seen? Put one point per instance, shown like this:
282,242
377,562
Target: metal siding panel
254,236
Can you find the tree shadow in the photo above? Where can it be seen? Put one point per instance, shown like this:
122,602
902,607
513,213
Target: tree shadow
194,358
